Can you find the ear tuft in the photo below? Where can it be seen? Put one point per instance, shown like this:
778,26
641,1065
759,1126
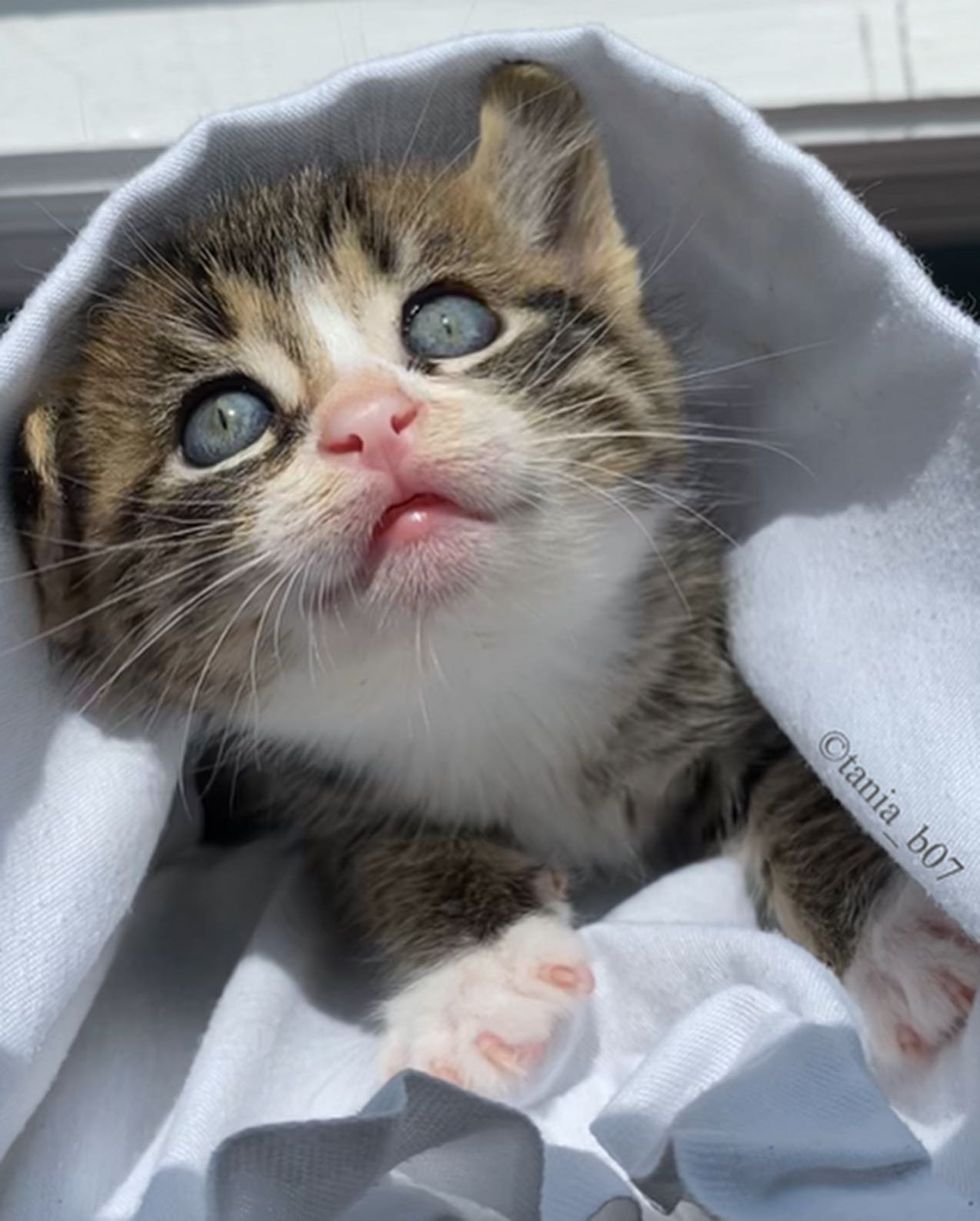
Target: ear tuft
32,465
530,102
539,155
38,507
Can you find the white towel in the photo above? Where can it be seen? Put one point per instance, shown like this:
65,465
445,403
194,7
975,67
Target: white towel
146,1020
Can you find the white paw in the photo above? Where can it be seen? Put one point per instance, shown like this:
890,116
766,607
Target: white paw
915,975
484,1019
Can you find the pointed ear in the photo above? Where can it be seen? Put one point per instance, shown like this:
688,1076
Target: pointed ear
39,509
539,155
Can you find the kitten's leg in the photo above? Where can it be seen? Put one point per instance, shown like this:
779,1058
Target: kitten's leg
483,962
828,885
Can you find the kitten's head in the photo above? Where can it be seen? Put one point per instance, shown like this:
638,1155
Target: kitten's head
369,395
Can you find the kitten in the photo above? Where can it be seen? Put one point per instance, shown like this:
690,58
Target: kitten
386,472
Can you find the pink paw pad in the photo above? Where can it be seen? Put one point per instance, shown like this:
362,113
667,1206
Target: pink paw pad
514,1058
910,1042
484,1019
577,980
916,975
960,993
446,1072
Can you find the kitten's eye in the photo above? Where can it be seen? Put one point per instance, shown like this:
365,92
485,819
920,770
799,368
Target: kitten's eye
223,424
440,325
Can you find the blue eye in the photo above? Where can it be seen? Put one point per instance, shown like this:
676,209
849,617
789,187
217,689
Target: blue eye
439,327
223,424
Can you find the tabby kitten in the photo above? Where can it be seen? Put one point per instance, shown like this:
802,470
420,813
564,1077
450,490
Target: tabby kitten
386,472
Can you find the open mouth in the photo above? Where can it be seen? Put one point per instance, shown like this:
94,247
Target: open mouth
424,516
417,511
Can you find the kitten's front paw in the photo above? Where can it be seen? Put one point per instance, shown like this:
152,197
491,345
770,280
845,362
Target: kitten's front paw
915,975
484,1019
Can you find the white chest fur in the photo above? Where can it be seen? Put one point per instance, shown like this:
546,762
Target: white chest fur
475,714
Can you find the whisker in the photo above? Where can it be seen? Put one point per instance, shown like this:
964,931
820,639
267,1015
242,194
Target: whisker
423,707
257,637
170,621
692,438
660,492
436,664
307,617
216,648
114,600
187,530
216,478
626,511
277,626
755,360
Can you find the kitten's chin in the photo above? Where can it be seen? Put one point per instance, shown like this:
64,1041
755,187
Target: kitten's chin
425,556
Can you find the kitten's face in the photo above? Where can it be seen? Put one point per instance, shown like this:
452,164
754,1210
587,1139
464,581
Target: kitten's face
380,396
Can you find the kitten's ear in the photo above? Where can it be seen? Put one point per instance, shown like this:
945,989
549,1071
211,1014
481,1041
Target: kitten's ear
39,508
539,155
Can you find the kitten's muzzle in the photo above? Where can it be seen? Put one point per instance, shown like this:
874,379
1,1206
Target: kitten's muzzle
368,423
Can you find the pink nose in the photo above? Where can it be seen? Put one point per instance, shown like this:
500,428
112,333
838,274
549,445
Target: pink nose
368,420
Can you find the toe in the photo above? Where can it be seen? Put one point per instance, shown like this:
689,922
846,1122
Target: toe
514,1058
910,1042
445,1072
959,992
576,979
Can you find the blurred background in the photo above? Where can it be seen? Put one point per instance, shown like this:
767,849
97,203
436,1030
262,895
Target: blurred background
887,92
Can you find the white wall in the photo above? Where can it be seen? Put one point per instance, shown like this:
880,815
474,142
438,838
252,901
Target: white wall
91,88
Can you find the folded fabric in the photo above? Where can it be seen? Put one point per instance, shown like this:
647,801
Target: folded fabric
225,1072
147,1019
